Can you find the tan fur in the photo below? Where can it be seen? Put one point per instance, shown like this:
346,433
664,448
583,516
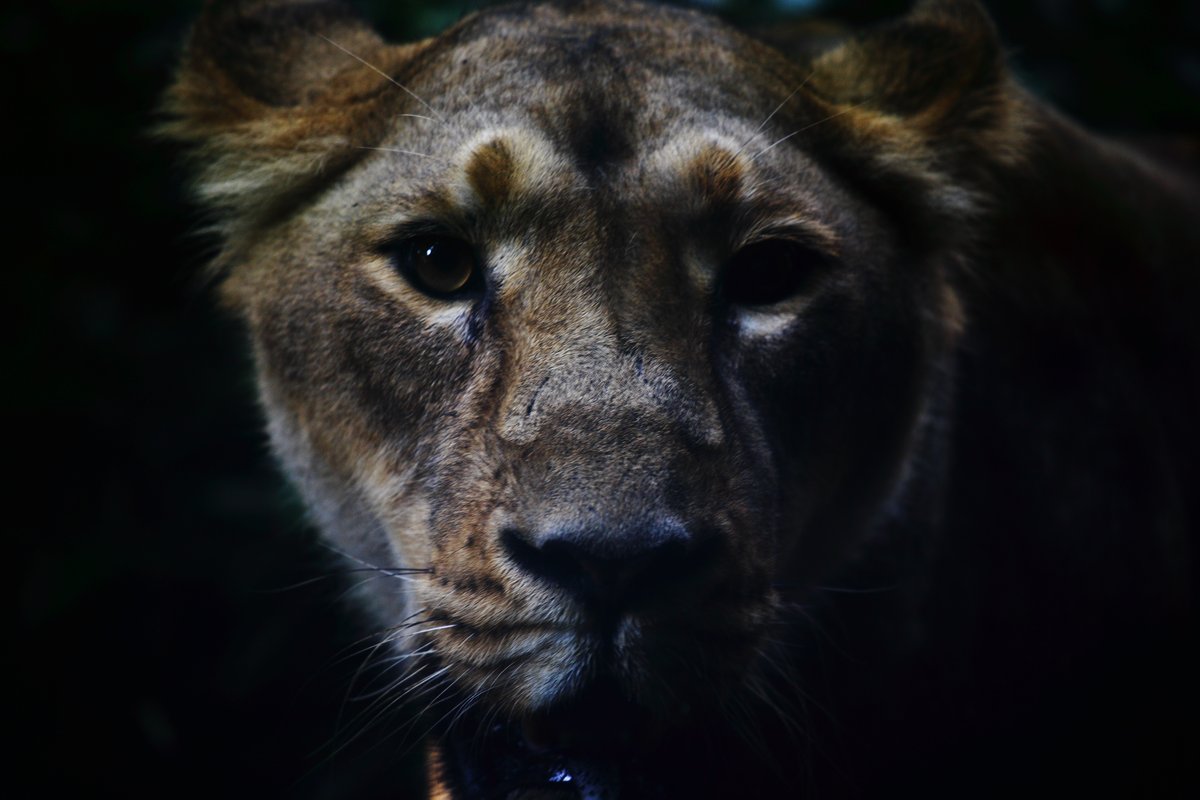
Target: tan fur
603,183
491,171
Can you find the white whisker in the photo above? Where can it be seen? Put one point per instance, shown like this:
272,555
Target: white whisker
387,77
391,573
778,108
821,121
404,152
431,630
406,656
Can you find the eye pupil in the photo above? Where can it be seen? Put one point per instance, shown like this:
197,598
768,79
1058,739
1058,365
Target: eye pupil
440,266
769,272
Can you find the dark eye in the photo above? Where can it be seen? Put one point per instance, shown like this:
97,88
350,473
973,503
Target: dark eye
440,266
769,272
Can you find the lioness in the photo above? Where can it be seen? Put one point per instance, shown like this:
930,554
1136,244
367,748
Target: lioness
721,417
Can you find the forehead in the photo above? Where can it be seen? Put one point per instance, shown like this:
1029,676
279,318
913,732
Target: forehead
545,101
586,42
597,81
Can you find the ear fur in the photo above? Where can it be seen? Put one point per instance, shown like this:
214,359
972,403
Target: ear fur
925,108
272,95
933,67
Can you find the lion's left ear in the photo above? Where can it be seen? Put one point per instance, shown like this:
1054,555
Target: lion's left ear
923,110
937,68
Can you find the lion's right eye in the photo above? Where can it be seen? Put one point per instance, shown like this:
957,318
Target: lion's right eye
440,266
769,272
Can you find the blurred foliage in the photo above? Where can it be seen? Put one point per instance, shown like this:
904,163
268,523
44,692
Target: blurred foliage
153,653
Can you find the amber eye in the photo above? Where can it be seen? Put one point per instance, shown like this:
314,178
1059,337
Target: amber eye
769,272
440,266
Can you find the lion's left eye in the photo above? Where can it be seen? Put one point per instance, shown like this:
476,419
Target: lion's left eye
769,272
440,266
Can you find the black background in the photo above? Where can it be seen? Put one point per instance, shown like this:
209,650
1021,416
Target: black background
156,648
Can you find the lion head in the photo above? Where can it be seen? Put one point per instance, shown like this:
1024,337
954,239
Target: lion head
606,330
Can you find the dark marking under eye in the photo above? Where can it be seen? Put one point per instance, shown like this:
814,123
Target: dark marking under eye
533,398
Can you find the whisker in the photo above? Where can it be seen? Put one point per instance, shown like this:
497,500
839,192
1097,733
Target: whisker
386,635
811,125
946,58
367,644
395,701
821,631
389,665
849,590
483,723
350,590
404,152
403,627
375,567
397,572
389,698
431,630
387,77
778,108
835,589
406,656
346,698
379,714
298,584
437,722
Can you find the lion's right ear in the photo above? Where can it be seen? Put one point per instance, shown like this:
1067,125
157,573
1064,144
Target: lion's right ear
273,94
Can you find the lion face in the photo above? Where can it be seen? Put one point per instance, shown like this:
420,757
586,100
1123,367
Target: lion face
588,321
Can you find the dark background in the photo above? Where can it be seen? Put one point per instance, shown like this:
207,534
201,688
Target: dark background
156,648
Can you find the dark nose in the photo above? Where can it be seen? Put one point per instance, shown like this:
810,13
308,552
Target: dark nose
614,566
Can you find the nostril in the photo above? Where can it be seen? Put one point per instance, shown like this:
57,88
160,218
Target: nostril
544,559
683,560
613,565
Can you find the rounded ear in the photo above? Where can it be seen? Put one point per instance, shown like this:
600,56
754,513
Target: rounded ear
921,112
246,58
274,94
936,67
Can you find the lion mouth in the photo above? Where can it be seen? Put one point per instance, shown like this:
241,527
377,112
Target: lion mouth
598,745
602,732
600,724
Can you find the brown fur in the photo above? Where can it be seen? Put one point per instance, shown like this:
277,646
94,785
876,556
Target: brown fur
604,160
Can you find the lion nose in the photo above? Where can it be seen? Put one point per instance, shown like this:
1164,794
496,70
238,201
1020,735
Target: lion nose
614,566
